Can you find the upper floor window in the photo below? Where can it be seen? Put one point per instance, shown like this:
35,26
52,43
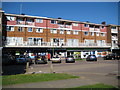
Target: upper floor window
97,34
113,27
53,30
75,24
92,33
10,28
102,34
86,25
102,27
75,32
85,33
39,30
61,31
29,20
10,18
20,29
68,32
29,29
53,21
39,20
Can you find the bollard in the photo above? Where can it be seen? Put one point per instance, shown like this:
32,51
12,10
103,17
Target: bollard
27,66
51,66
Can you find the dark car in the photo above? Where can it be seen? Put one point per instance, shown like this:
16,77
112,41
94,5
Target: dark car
41,59
91,58
112,56
23,59
70,59
8,59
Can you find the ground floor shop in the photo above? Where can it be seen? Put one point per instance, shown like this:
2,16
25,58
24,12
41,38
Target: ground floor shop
63,52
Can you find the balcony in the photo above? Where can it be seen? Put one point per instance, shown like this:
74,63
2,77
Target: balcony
30,23
114,38
91,29
114,31
97,29
57,44
20,22
65,26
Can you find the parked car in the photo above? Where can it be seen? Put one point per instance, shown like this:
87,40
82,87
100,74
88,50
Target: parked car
91,58
112,56
56,59
22,59
8,59
41,59
70,59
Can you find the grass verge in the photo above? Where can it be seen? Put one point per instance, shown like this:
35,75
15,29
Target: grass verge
95,86
79,59
30,78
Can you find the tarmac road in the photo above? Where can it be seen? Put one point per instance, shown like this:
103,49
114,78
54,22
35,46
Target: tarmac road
102,71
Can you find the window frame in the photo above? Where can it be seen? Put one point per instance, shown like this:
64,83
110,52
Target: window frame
87,33
53,31
75,32
39,30
11,28
21,29
75,24
102,34
68,32
92,33
55,22
39,20
61,31
31,29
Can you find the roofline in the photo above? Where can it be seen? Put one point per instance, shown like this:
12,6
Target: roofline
59,19
1,11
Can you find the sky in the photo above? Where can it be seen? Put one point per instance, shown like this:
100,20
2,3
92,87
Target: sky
94,12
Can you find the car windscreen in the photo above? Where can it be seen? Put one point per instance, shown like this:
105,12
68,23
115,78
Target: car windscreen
21,56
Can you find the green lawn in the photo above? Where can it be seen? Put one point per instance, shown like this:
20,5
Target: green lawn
79,59
27,78
94,87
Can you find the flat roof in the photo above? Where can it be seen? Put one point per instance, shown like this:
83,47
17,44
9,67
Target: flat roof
58,19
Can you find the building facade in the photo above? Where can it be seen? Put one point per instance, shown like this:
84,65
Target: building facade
35,34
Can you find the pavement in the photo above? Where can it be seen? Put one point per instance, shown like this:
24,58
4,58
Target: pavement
87,76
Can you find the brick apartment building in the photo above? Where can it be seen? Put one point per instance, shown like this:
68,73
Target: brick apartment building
21,33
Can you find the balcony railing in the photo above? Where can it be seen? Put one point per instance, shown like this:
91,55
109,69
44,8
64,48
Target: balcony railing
65,26
91,29
114,31
57,44
25,23
114,38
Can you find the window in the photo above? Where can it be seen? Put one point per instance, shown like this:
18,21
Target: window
68,32
10,18
113,27
75,24
102,27
75,32
92,33
85,33
85,25
102,34
53,31
39,20
10,28
61,31
39,30
29,20
97,34
53,21
29,29
20,29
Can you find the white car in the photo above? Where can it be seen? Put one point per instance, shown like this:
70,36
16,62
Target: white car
56,59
